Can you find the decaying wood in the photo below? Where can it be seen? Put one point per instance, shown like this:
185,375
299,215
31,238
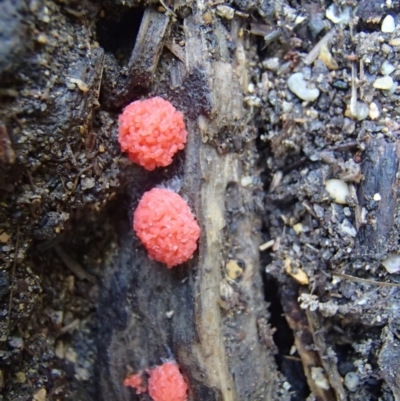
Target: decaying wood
375,219
207,318
311,346
327,354
143,61
389,358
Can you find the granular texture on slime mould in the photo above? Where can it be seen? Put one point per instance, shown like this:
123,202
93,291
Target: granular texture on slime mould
151,131
166,227
166,383
136,381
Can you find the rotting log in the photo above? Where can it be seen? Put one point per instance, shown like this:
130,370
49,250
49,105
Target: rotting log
208,318
377,198
319,364
140,71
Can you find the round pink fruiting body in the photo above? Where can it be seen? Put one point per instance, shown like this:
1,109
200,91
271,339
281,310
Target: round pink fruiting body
166,383
166,227
151,131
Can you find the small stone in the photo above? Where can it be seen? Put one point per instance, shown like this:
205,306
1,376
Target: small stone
246,181
387,68
71,355
87,183
351,381
362,111
326,57
207,17
338,16
394,42
225,12
298,228
337,190
339,84
393,89
20,377
386,49
388,25
59,350
82,374
79,83
40,395
16,342
298,274
287,106
253,101
377,197
384,83
392,263
233,270
299,19
251,88
348,228
298,85
4,237
271,64
42,39
373,111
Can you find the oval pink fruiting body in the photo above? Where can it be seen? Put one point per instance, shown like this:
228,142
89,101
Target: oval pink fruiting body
151,131
166,227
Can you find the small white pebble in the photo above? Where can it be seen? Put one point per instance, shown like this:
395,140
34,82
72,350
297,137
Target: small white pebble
386,48
387,68
253,101
338,190
250,87
348,228
246,181
225,12
351,381
299,86
271,63
286,106
377,197
40,395
392,263
298,228
393,89
338,16
79,83
87,183
384,83
394,42
299,19
362,111
388,25
373,111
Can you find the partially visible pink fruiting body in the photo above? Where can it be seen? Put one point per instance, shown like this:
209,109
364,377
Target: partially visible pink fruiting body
136,381
166,227
166,383
151,131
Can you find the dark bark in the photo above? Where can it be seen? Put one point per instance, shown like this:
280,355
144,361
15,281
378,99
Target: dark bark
376,218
